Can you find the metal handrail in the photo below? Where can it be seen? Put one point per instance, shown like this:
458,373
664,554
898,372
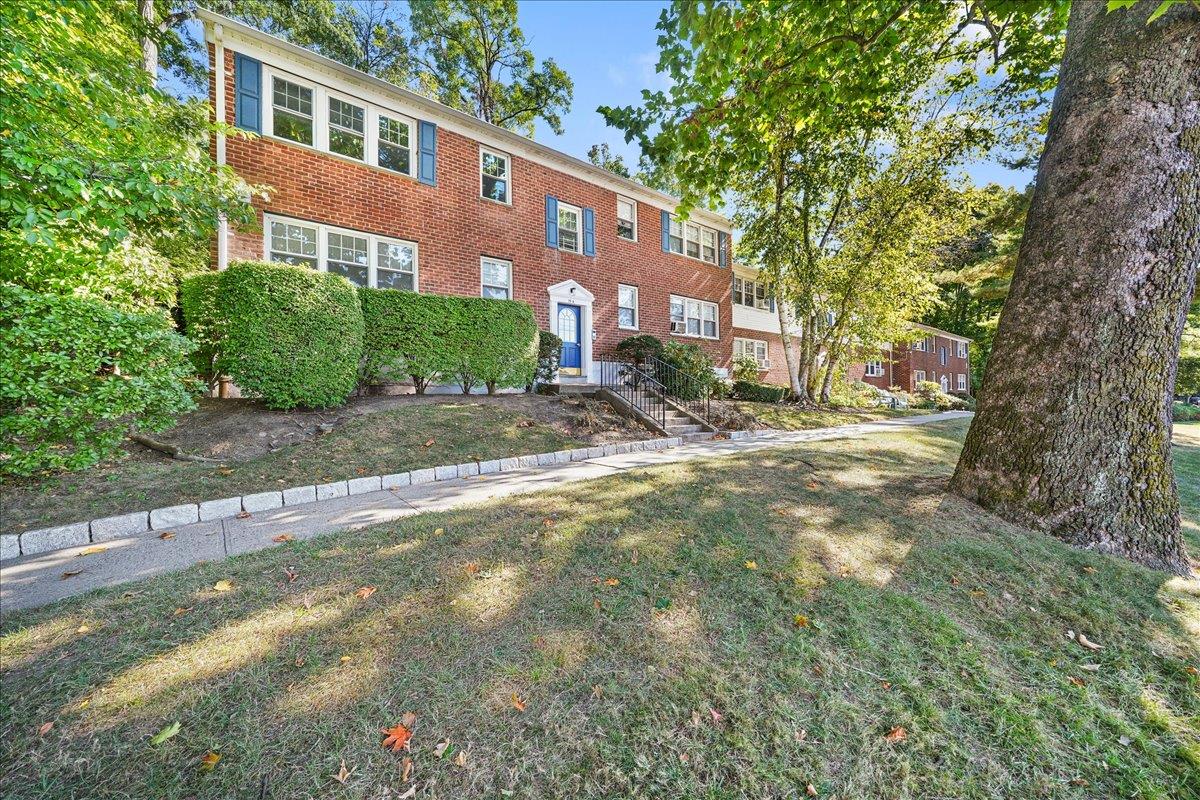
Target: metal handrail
640,390
684,389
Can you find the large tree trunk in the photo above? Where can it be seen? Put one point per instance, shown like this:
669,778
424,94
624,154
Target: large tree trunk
149,45
1073,431
789,346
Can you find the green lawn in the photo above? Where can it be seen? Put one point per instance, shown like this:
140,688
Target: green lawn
784,416
651,659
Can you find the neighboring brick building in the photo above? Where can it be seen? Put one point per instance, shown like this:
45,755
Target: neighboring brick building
393,189
941,357
756,326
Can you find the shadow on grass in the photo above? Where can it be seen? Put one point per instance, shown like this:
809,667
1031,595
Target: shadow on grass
649,622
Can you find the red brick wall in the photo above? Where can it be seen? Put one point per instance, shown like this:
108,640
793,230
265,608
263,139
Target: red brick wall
778,372
453,226
905,361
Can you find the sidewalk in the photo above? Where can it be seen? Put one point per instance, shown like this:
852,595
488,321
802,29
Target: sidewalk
36,580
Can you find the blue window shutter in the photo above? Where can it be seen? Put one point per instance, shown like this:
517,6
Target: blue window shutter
247,83
551,221
723,248
589,232
428,166
666,220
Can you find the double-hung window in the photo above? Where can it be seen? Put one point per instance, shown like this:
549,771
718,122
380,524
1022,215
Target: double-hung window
292,243
875,368
962,349
493,175
962,382
708,245
346,134
918,375
693,317
675,236
568,228
362,258
496,278
627,307
752,294
395,144
626,218
752,348
943,356
693,240
922,345
291,111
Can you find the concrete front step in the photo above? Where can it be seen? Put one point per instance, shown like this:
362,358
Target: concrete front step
679,430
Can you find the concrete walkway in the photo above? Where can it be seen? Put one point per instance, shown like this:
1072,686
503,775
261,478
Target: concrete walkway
37,579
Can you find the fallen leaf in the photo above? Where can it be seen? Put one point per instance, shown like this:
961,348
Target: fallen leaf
810,790
225,471
209,761
342,774
1125,741
91,551
242,515
954,581
166,733
283,537
299,662
472,569
800,621
179,612
1080,782
717,716
547,522
429,443
813,485
397,738
896,734
751,565
518,703
409,720
1086,642
597,691
611,582
82,629
345,659
1089,570
1193,671
461,758
223,586
439,532
71,573
440,748
886,685
406,769
44,728
1090,667
1076,681
364,592
411,793
633,557
165,535
291,574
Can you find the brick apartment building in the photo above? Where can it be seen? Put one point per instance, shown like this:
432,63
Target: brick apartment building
394,190
940,356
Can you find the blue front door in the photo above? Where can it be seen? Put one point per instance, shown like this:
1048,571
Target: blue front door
569,331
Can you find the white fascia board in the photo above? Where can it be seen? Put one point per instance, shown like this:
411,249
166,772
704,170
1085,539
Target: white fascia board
335,75
939,332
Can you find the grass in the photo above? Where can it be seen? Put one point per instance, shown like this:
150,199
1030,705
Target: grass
651,659
409,437
794,418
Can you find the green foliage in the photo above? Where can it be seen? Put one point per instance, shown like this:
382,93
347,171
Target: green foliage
198,303
1187,378
853,394
1182,412
101,173
638,348
471,340
549,353
471,55
745,369
74,372
930,395
760,392
693,376
603,157
290,335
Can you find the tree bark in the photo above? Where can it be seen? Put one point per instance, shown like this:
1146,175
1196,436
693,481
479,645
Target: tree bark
149,45
789,347
1073,430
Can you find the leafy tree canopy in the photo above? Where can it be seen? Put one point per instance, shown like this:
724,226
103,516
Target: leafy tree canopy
603,157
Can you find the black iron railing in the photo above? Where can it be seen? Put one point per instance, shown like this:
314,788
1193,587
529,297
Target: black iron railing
687,391
637,388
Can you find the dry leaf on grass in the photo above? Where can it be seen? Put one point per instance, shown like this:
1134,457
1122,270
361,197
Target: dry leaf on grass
439,531
364,592
283,537
342,774
45,728
896,735
429,443
801,621
717,716
411,793
165,535
472,569
209,761
166,733
440,748
223,586
82,629
1086,642
179,612
597,691
751,565
405,769
1076,681
291,574
810,790
461,758
517,702
1089,570
611,582
397,738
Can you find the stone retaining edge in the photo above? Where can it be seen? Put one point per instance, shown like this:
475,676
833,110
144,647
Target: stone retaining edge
60,537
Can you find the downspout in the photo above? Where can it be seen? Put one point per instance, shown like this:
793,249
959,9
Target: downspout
219,66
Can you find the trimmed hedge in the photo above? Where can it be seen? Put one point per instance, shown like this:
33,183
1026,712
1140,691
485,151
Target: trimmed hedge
198,305
470,340
549,354
290,335
760,392
75,373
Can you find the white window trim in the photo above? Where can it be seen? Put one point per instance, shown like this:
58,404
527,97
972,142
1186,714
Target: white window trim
633,203
685,299
874,368
318,115
637,317
918,375
482,285
367,117
373,140
578,227
699,240
962,349
323,232
961,382
753,284
739,343
491,151
943,356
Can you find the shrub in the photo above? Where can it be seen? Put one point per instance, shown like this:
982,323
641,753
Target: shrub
75,372
471,340
694,376
1182,412
638,348
291,335
760,392
198,302
853,394
930,395
549,353
745,369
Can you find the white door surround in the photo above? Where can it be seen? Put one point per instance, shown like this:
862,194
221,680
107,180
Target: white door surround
573,293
